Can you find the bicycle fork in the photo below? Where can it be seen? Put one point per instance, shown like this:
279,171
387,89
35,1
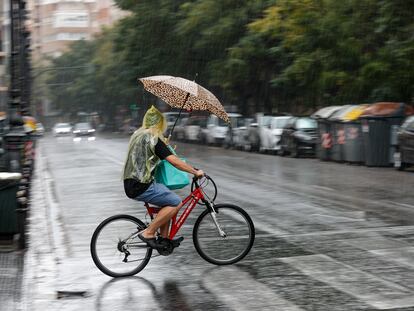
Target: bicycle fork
213,215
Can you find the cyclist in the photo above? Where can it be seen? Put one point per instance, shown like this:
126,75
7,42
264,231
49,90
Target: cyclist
146,148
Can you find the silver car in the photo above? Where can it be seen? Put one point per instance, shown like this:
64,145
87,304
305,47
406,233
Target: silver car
62,129
192,130
270,133
216,131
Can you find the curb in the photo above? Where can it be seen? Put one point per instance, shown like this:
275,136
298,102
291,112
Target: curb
45,241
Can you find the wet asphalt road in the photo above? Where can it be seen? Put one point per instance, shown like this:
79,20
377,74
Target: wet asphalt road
329,236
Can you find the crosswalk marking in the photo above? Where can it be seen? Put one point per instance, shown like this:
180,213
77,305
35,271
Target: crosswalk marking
239,291
370,289
403,255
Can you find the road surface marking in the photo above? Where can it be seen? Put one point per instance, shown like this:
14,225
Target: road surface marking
372,290
239,291
403,255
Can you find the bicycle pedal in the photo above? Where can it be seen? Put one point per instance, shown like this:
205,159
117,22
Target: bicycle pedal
177,241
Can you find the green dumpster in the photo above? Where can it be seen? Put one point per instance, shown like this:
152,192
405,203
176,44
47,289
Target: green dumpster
338,133
324,142
354,144
9,183
379,124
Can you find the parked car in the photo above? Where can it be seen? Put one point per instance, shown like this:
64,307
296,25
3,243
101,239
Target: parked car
83,129
62,129
192,130
216,130
179,130
260,130
298,137
40,130
270,133
237,136
171,117
404,155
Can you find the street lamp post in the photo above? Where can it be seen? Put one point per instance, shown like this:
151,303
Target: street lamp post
19,83
19,103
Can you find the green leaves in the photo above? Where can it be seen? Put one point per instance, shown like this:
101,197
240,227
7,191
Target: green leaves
272,55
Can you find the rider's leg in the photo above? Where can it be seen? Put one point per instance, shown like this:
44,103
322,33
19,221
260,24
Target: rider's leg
163,217
165,229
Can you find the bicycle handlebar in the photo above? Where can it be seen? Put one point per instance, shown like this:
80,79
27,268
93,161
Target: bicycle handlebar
195,179
211,193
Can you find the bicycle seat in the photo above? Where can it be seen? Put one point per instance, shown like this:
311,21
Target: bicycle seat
152,209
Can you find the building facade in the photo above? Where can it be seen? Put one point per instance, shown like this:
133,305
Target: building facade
55,24
4,53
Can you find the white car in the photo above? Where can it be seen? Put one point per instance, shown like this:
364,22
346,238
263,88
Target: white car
172,116
40,130
270,132
179,130
192,130
237,137
62,129
216,130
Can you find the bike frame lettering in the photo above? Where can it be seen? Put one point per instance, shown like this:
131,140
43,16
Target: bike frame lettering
191,201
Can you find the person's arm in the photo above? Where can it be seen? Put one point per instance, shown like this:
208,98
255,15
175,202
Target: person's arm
181,165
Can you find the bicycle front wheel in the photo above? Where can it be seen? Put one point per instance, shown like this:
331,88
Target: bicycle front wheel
225,237
116,249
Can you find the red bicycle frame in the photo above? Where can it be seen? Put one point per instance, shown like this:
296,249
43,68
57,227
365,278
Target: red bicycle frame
191,201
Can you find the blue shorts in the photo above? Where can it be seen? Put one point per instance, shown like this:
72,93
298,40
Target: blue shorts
159,195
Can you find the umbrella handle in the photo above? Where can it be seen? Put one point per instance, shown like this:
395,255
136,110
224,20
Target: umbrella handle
179,114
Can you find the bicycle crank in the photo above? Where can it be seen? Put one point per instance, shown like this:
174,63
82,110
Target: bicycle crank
169,246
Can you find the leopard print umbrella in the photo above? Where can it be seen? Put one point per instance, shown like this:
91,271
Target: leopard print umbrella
183,93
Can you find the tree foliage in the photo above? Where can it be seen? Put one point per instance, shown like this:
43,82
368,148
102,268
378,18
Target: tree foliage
263,55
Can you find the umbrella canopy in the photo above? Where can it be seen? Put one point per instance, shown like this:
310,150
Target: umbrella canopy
184,94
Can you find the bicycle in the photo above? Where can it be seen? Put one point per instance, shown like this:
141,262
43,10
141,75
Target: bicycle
223,234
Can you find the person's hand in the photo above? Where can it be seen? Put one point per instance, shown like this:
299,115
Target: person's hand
199,173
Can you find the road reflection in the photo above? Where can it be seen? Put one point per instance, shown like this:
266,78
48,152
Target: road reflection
138,293
130,293
79,139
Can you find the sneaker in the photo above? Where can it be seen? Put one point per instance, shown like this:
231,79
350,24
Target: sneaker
165,242
151,242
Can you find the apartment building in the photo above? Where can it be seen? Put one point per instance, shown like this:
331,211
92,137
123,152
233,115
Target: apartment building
55,24
4,52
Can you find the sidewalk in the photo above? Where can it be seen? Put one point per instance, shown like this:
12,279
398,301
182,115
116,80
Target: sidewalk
11,271
54,277
41,259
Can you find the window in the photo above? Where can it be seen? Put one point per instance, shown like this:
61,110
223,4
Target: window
306,123
279,123
69,36
71,19
222,123
240,122
266,121
410,125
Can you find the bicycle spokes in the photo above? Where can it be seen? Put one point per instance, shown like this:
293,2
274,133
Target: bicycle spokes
119,258
224,237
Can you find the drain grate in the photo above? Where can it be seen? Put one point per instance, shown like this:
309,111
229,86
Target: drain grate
63,294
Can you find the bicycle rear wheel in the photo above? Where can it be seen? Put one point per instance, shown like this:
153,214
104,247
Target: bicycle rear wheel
237,242
116,249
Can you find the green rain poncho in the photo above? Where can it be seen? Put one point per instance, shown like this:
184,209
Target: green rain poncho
141,159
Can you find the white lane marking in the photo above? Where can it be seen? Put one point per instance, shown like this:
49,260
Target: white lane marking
372,290
357,231
401,204
239,291
402,255
345,217
322,188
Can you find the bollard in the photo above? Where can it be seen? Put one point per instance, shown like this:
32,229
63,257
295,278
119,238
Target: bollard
21,212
